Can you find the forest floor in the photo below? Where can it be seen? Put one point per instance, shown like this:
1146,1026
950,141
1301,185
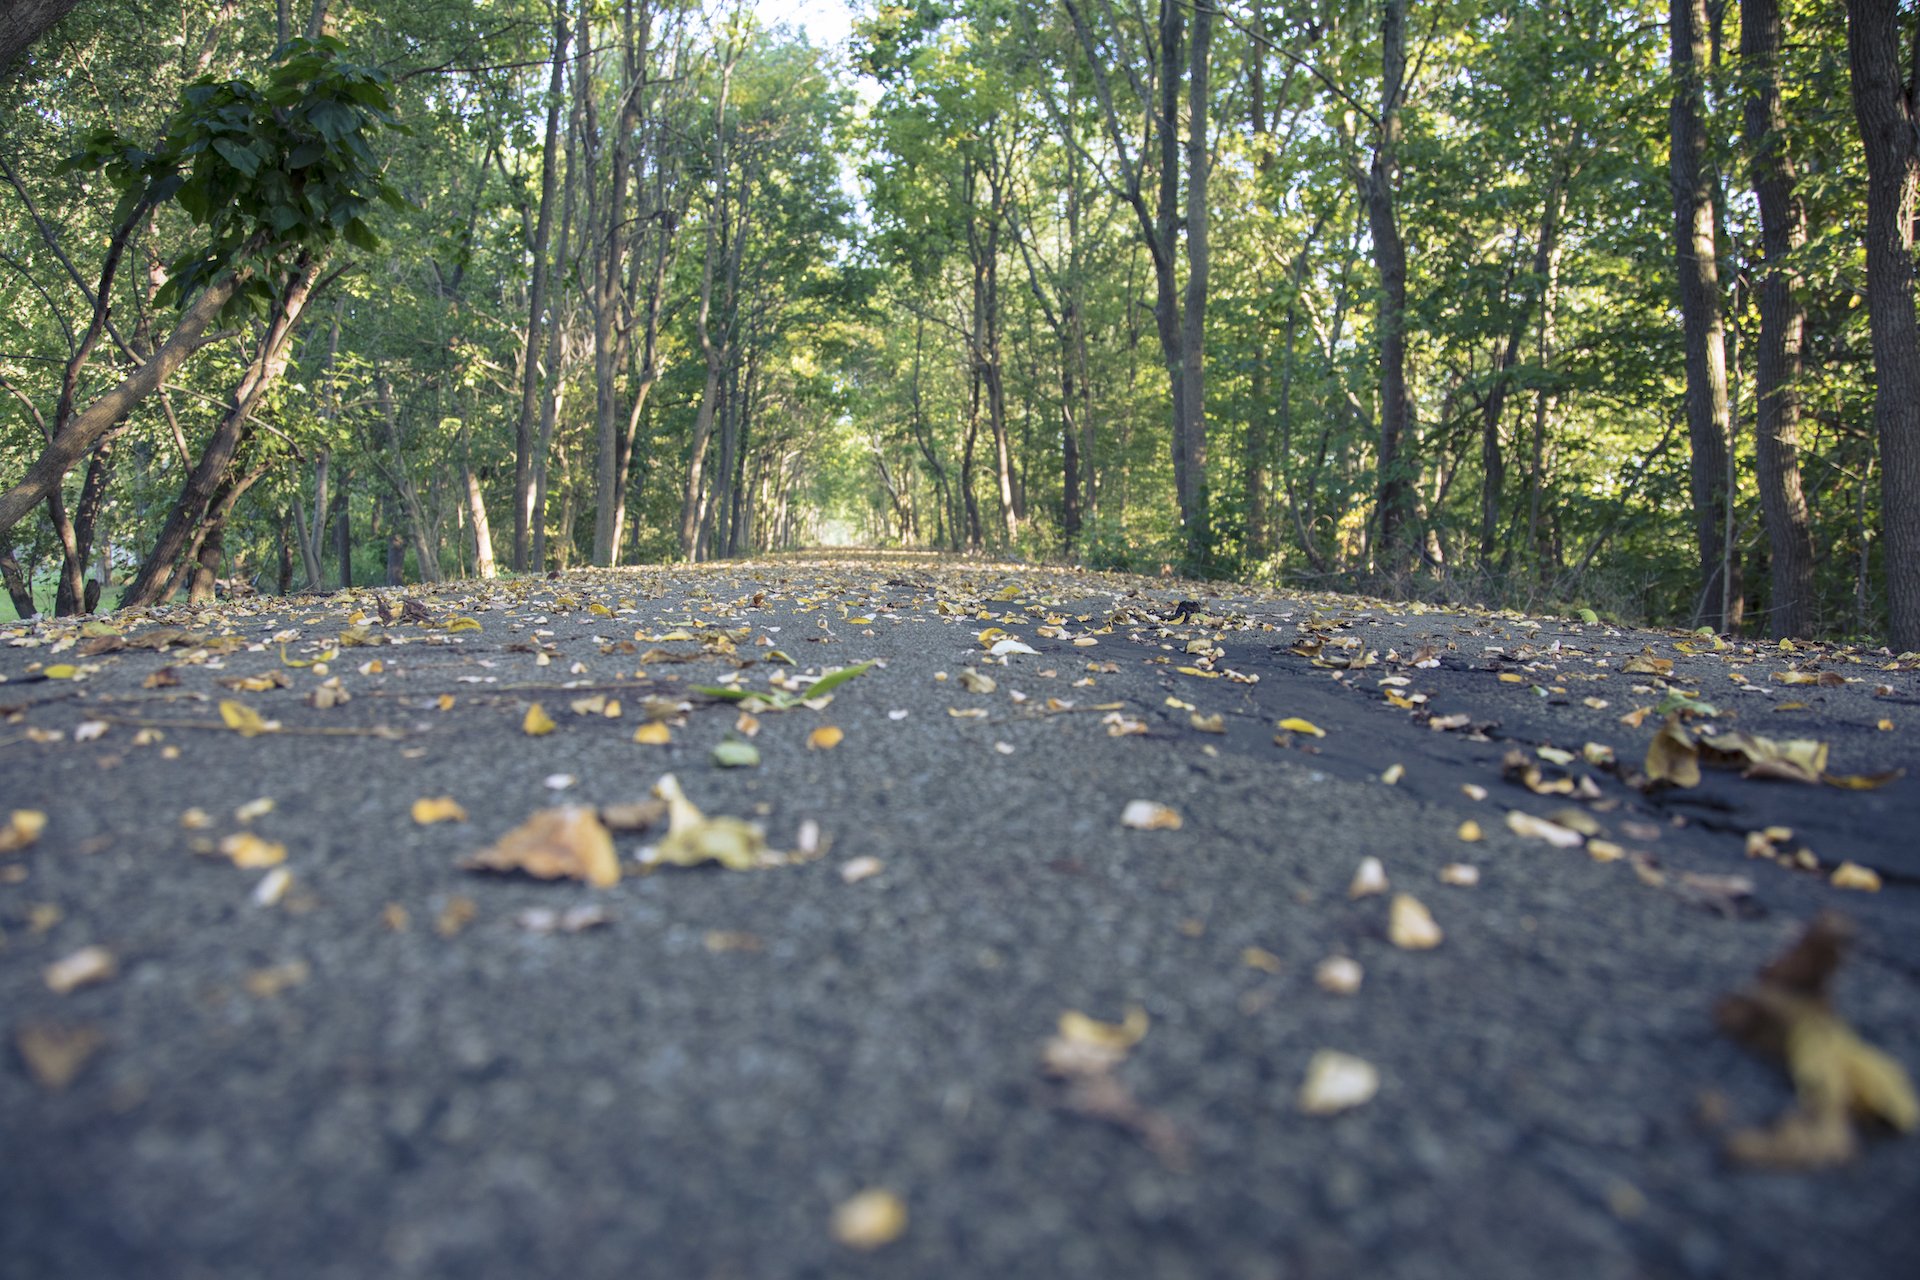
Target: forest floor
970,1008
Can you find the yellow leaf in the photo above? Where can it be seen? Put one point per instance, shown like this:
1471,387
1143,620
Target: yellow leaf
599,610
1410,926
536,722
1509,677
1293,724
1851,875
244,720
1196,671
1262,959
23,828
1885,725
825,738
1081,1029
987,637
568,842
1470,831
654,733
249,851
1336,1082
1672,756
1208,724
873,1218
444,702
462,624
60,671
694,838
1393,774
438,809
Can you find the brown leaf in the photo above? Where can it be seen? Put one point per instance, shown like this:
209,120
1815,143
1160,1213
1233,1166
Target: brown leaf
55,1053
568,842
1837,1076
1672,756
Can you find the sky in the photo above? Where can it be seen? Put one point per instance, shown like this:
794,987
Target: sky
826,22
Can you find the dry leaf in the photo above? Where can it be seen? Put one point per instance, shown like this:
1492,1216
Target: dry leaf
1410,926
1338,975
55,1053
1525,824
1087,1046
1336,1082
1470,832
568,842
1149,815
536,722
1461,874
83,968
1851,875
251,852
271,981
23,828
973,682
854,870
825,738
455,916
873,1218
572,920
244,720
1208,724
256,808
654,733
1672,756
1393,774
1370,877
438,809
693,838
1837,1076
1294,724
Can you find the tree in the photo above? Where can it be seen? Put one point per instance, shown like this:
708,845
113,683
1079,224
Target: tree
1883,104
24,21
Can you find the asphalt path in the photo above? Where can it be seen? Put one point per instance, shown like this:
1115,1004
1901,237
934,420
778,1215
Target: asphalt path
367,1061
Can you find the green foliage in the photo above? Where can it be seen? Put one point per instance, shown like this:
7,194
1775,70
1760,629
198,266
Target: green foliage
262,171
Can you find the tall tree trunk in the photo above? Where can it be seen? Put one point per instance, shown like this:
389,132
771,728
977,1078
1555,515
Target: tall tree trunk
86,517
343,532
559,348
610,238
24,21
190,508
1709,419
1783,319
1379,186
1196,513
526,430
1883,104
419,523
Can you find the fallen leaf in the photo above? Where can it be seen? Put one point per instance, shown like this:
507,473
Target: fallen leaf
1470,832
1461,874
1393,774
1294,724
269,982
1837,1076
244,720
568,842
973,682
1149,815
1672,756
537,722
273,887
869,1220
1338,975
82,968
693,838
1207,724
854,870
1410,926
54,1052
732,753
438,809
1262,959
1085,1045
1337,1082
256,808
572,920
23,828
654,733
1369,878
456,915
719,941
1851,875
251,852
1525,824
825,738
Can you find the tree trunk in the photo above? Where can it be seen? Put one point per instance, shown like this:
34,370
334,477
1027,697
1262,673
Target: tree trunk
343,533
525,433
24,21
1196,513
483,564
190,508
609,251
1378,185
1883,104
1783,319
1709,419
74,437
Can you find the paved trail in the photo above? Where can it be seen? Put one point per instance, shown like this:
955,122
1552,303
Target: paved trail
393,1069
